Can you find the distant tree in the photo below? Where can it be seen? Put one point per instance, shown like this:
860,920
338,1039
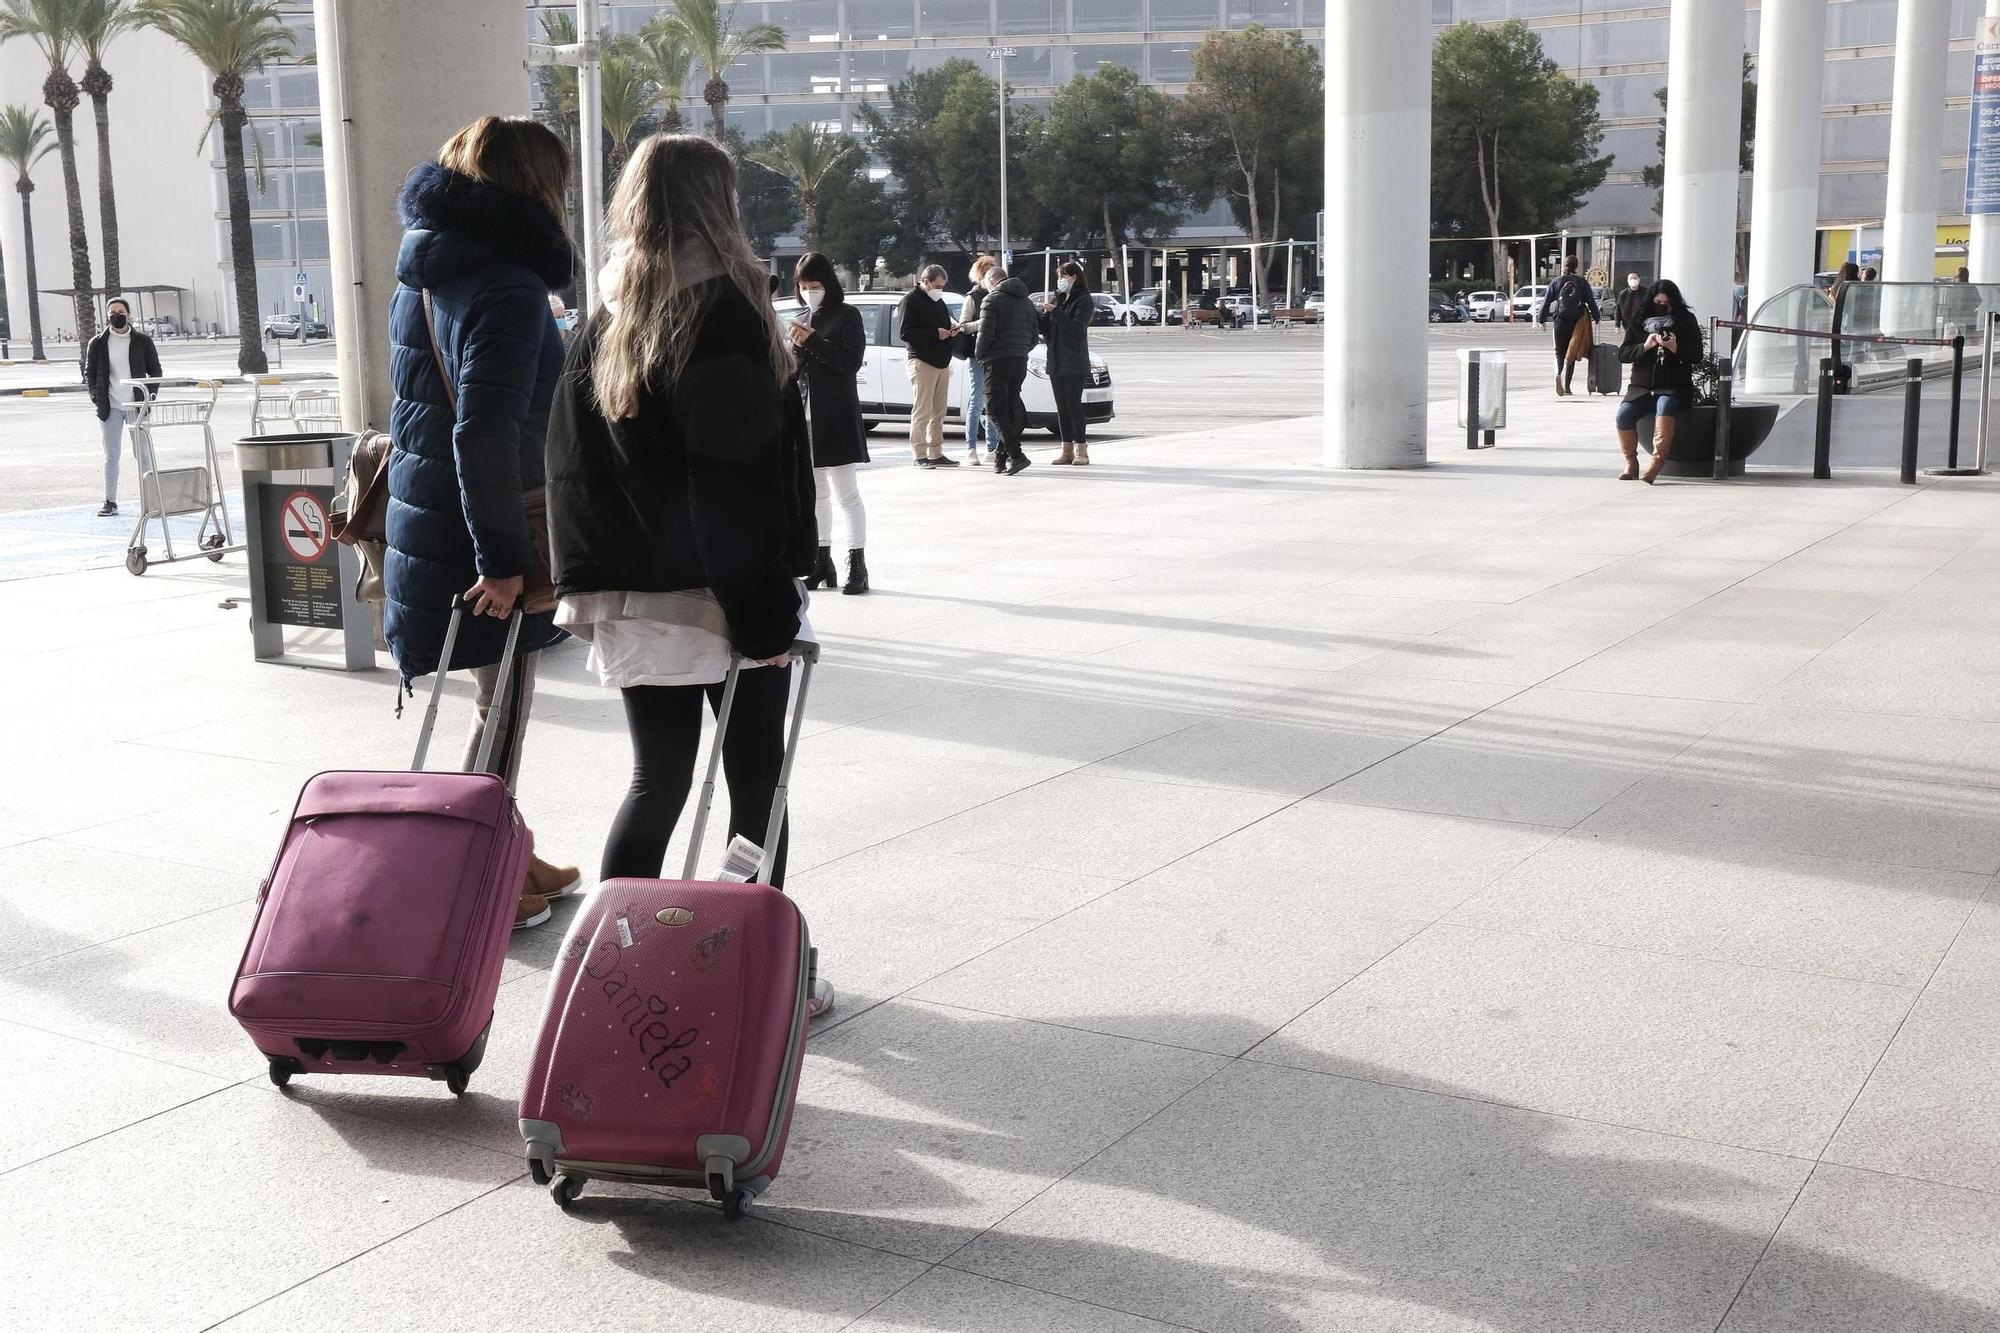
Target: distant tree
24,141
708,28
857,223
51,26
98,23
672,63
628,93
807,154
556,87
1514,140
231,39
939,136
1105,163
764,196
1254,119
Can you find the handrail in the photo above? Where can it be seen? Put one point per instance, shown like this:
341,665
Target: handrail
1747,327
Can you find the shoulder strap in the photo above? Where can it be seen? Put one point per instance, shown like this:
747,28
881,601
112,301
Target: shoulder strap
437,353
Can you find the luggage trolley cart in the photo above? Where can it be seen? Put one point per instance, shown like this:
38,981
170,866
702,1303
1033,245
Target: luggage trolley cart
174,492
293,402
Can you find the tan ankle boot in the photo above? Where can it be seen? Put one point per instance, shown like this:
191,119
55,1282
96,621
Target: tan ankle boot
550,881
1631,452
1066,457
1082,455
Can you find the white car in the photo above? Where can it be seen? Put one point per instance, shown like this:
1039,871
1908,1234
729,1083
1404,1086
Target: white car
884,381
1486,306
1527,300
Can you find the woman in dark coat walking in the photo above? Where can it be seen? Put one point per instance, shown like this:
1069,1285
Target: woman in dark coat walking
1066,329
484,249
831,347
1662,347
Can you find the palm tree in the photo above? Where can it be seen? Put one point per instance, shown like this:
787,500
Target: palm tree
51,26
806,153
672,62
558,84
628,94
708,27
24,142
231,38
97,23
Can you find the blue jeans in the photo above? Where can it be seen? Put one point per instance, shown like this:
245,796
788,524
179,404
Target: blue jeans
976,428
1661,405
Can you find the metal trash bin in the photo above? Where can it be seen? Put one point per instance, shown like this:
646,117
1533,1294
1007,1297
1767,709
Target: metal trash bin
1482,394
300,577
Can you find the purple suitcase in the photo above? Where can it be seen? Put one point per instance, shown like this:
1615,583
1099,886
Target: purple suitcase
675,1030
382,927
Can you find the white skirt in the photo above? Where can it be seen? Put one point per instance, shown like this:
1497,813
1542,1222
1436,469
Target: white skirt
657,638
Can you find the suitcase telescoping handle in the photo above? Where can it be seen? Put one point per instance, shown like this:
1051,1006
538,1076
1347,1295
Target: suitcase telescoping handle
807,655
498,705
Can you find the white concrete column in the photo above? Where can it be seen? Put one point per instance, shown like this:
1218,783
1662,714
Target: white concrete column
408,77
1378,156
1704,133
1983,248
1784,186
1916,130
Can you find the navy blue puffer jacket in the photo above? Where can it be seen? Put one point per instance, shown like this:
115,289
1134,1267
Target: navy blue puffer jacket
489,260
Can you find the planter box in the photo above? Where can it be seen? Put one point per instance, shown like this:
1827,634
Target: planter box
1693,455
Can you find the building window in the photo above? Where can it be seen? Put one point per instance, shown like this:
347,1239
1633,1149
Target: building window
1109,15
1037,17
1090,59
871,20
955,18
876,71
1270,13
1186,15
806,72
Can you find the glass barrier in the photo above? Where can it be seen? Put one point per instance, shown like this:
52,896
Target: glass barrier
1910,310
1780,363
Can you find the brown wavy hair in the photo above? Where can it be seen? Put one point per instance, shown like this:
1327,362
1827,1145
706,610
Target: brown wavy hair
515,154
674,222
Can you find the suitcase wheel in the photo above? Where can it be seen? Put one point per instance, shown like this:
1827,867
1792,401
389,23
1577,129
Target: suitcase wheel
538,1171
735,1204
564,1189
456,1077
281,1070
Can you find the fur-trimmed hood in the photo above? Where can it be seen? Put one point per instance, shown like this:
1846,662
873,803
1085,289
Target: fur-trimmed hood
455,223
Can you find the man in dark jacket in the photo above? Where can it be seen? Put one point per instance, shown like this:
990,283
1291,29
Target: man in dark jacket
1008,328
1565,304
1631,301
115,358
926,327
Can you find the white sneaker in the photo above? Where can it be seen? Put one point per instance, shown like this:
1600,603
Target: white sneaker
822,999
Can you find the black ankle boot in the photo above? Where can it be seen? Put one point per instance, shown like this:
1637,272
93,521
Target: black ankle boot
857,574
824,573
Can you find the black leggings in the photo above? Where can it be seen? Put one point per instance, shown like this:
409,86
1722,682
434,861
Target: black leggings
665,722
1069,407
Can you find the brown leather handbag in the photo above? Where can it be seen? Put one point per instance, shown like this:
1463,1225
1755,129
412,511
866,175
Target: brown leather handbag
538,586
362,520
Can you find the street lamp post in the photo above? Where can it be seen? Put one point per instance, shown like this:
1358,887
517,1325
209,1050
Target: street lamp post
1000,54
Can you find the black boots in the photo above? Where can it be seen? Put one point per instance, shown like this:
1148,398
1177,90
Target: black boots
857,574
824,574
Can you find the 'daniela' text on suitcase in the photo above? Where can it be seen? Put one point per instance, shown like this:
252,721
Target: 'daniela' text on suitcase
643,1014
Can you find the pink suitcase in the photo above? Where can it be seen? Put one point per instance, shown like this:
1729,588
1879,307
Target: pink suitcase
676,1024
382,927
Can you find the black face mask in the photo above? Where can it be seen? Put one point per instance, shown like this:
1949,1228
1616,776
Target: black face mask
118,321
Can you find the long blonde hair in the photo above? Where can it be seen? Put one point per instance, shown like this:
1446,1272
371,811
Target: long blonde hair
673,223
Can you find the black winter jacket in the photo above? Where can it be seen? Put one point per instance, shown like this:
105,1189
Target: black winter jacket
1007,324
1067,331
829,361
1586,299
489,259
709,486
97,368
919,320
1631,305
1656,370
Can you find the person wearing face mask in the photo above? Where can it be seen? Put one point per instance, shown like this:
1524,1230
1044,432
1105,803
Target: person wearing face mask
927,330
117,356
832,346
1007,333
1631,302
976,427
1662,349
1066,328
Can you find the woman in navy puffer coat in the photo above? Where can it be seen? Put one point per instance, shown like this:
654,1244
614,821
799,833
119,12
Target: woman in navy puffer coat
486,241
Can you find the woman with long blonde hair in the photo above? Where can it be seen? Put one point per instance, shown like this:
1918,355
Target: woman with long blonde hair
681,497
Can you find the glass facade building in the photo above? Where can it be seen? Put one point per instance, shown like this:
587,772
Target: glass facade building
1621,47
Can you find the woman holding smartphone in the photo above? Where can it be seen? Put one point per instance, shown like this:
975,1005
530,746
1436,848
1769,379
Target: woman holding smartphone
1662,346
831,347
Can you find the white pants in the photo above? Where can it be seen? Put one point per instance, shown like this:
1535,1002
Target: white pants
841,482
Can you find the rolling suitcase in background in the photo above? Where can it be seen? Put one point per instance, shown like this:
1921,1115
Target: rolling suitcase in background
1605,368
676,1022
382,927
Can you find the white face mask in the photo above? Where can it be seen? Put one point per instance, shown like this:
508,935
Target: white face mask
937,293
1633,284
1062,284
812,296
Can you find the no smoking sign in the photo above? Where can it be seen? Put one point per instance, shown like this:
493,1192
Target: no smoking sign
304,527
301,567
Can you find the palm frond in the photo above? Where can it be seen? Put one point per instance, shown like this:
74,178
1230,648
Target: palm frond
627,87
709,29
806,153
672,60
49,24
24,138
236,37
99,21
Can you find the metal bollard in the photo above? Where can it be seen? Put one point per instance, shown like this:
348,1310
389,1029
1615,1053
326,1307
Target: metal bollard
1913,406
1722,397
1472,393
1823,424
1957,385
1951,467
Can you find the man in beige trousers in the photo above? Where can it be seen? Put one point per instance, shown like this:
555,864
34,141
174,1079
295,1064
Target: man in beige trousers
927,331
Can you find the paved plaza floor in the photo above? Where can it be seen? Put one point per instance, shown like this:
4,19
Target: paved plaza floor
1262,899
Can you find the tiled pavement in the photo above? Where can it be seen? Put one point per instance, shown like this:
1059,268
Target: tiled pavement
1492,898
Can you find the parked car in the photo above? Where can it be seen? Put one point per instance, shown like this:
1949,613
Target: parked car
884,382
1527,300
1143,308
292,326
1443,309
1487,306
1315,303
